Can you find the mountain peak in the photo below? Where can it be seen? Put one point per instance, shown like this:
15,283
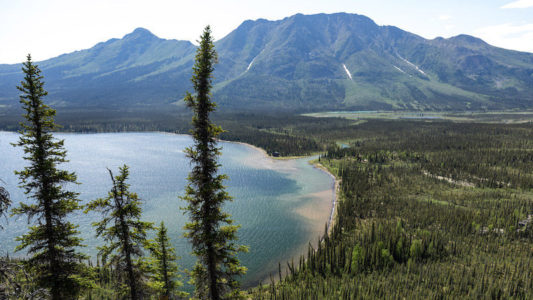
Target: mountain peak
140,33
464,38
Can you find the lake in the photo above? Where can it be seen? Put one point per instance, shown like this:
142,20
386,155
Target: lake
281,205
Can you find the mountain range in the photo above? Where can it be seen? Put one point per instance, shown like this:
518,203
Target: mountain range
302,63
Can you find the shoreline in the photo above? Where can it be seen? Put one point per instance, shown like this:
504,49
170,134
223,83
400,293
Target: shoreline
332,198
320,209
315,164
336,187
263,151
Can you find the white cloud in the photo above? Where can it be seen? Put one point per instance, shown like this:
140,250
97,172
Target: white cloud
445,17
509,36
519,4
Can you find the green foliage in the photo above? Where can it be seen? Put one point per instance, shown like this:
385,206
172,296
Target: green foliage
52,242
210,231
416,250
357,259
124,233
163,269
421,216
17,281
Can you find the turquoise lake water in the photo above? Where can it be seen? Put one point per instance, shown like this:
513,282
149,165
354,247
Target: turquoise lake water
281,205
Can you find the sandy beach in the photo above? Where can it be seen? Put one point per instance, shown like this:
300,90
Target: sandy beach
320,207
336,191
317,208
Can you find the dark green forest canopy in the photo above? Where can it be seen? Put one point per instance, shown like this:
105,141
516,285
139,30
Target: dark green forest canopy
427,210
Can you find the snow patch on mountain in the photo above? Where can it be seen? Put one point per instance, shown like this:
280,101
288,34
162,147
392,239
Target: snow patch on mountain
250,65
400,70
347,71
412,65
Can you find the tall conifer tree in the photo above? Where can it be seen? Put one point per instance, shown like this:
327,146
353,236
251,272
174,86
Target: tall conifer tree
52,241
163,267
124,234
210,230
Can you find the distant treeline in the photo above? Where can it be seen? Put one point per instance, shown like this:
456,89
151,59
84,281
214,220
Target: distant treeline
286,134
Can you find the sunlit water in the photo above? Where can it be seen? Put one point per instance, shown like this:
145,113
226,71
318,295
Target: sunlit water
281,205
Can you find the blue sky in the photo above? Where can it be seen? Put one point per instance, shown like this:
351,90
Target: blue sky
53,27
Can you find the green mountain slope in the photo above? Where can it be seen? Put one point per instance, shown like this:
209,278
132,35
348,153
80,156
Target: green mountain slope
303,62
347,61
139,69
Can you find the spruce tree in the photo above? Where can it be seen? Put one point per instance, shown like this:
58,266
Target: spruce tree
51,243
210,231
124,233
163,267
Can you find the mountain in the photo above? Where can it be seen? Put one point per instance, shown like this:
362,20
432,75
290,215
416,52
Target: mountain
347,61
303,62
139,69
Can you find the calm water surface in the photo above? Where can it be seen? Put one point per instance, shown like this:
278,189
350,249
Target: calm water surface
274,201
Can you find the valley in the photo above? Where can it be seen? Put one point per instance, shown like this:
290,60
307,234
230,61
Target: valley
312,156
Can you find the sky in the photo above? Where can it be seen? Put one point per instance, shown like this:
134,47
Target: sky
48,28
